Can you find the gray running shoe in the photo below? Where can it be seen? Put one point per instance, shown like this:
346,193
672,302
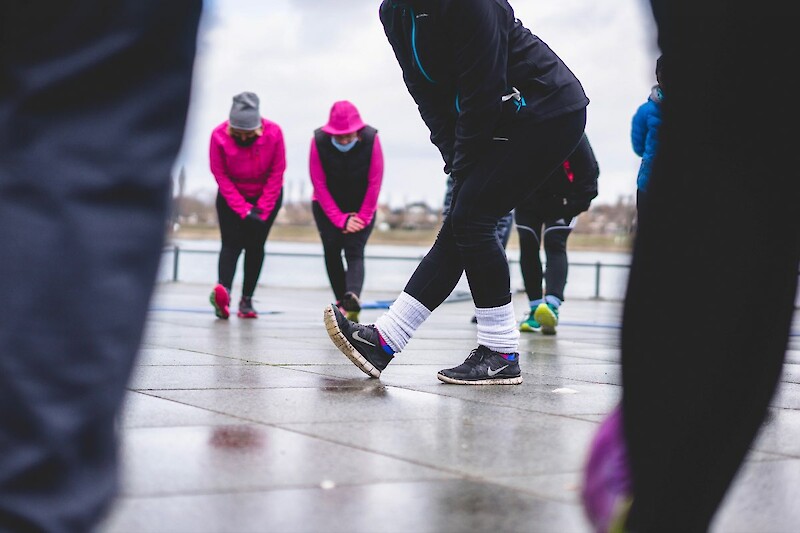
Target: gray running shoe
359,342
246,309
483,367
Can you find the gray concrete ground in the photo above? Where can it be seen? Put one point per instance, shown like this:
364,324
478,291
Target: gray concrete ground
263,426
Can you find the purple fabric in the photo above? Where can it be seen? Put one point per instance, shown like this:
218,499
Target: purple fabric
607,478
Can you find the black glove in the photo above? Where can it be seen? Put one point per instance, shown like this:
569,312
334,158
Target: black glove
254,215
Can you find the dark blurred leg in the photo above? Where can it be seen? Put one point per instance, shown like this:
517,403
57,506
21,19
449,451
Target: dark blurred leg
529,229
696,393
93,100
555,249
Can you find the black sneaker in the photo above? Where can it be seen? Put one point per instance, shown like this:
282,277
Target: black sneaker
359,342
483,367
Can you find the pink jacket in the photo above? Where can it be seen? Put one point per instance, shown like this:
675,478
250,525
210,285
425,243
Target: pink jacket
249,172
323,196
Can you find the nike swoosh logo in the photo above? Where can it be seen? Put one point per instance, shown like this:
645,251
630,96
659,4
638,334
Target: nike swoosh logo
359,338
493,373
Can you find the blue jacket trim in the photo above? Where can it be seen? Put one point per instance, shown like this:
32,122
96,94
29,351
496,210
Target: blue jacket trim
414,45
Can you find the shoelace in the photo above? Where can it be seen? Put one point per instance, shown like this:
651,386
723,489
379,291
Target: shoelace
476,355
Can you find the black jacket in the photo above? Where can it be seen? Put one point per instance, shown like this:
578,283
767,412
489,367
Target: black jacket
569,190
460,57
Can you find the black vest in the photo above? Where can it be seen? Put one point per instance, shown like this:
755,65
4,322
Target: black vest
346,173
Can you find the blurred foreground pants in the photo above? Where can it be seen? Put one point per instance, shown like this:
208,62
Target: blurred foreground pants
710,299
93,101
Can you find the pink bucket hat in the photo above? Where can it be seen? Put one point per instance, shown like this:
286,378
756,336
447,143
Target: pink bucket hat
344,119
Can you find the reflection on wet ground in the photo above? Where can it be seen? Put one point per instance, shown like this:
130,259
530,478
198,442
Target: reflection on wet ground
236,437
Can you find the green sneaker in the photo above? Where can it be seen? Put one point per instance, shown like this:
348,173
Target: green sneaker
530,324
547,315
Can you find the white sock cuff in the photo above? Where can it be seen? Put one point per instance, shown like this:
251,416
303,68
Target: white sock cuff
552,300
497,328
399,323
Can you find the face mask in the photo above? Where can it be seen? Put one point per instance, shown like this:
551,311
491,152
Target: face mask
245,142
344,147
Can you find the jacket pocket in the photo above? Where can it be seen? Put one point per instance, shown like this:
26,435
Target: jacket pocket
507,125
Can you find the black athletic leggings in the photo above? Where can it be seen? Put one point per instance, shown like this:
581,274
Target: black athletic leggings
513,166
238,235
556,232
333,243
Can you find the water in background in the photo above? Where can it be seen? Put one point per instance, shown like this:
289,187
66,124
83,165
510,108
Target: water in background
387,268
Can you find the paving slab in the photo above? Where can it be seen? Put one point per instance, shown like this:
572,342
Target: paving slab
264,426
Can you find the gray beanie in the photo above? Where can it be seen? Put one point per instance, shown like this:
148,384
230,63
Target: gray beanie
244,112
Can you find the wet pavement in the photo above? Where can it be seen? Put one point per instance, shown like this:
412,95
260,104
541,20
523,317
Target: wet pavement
264,426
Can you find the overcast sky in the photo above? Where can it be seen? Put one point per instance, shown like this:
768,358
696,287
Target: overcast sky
300,56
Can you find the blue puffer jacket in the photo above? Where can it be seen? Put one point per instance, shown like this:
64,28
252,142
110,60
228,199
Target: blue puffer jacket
644,135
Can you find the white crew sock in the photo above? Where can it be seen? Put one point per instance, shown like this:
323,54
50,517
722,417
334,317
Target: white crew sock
399,323
497,328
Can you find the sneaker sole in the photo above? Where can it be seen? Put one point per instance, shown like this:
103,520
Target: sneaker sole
219,310
341,342
247,315
526,327
494,381
544,316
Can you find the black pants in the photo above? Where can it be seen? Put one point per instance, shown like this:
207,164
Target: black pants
334,242
93,103
503,225
694,397
239,235
556,232
468,238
